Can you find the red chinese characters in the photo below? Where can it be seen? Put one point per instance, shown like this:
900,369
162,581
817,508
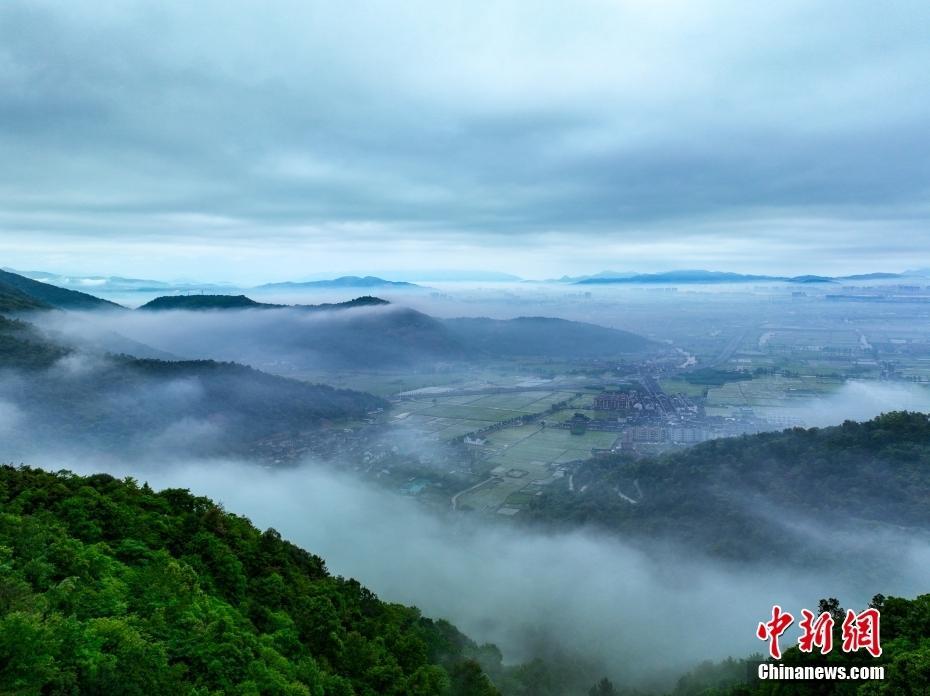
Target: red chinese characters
861,631
771,630
816,632
858,631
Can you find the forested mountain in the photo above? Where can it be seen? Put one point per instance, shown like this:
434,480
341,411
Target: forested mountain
12,300
50,295
60,395
760,496
23,347
387,337
207,302
107,587
201,302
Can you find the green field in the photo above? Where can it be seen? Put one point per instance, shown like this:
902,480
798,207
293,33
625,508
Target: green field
531,449
448,417
767,395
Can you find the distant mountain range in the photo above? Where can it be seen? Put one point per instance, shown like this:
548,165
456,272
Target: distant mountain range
702,276
342,282
107,284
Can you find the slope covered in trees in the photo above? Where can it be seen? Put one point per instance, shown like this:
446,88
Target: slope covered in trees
757,496
51,295
62,395
109,587
204,302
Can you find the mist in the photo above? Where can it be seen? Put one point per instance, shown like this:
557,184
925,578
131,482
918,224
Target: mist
642,618
861,400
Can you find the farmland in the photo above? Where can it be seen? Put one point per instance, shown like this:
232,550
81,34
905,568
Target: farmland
520,460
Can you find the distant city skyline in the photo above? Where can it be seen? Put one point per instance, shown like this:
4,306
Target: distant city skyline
230,141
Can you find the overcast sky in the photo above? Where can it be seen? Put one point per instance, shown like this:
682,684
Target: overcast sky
253,141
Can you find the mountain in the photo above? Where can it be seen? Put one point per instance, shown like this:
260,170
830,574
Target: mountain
816,495
342,282
593,276
78,400
691,276
12,301
203,302
113,588
459,276
810,279
545,337
23,347
701,276
372,334
210,302
874,276
117,284
51,295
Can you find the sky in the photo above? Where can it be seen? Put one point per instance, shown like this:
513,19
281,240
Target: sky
255,141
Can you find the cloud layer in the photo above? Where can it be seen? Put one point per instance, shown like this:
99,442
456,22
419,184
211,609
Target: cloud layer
401,134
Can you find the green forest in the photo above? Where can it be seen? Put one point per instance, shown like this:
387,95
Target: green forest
107,587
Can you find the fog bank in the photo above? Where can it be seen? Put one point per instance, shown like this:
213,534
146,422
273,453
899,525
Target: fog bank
639,617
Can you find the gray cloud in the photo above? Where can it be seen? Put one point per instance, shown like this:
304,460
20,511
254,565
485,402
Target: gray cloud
187,129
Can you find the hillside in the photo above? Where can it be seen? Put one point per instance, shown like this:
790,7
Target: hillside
377,335
766,495
78,399
112,588
210,302
202,302
51,295
13,301
23,347
545,337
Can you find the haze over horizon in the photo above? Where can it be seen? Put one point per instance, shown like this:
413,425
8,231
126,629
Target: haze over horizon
784,139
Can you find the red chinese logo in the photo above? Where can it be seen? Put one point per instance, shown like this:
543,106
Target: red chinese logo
859,631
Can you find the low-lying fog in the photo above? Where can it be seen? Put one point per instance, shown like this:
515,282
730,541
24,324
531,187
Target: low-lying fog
642,618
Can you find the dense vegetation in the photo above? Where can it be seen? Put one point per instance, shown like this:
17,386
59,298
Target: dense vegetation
50,295
735,498
202,302
12,301
198,302
108,587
